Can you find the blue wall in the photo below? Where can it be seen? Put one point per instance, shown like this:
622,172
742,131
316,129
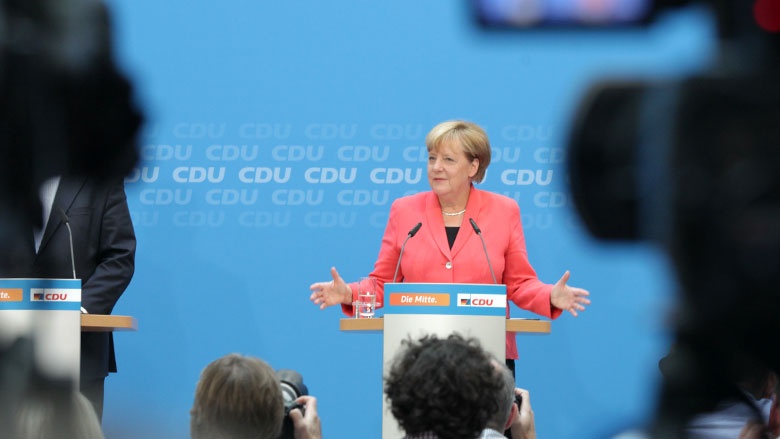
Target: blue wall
278,134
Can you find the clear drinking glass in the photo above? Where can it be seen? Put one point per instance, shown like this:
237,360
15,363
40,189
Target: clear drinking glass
365,306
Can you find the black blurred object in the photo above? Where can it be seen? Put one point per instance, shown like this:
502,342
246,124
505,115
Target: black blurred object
292,388
64,106
692,166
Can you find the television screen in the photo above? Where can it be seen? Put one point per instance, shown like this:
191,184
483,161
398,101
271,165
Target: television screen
563,13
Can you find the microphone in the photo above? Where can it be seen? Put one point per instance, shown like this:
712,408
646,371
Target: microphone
484,247
65,219
412,232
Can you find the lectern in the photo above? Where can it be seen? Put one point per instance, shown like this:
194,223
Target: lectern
415,309
49,312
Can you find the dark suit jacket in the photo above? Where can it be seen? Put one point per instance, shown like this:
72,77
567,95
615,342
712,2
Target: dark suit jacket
104,254
428,258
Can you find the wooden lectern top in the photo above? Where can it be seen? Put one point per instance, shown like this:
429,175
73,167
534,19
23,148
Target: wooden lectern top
107,323
533,326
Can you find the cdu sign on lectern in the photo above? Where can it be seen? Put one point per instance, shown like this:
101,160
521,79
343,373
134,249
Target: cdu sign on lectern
47,311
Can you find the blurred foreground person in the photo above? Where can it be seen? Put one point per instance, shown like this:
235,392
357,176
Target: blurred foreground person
453,389
56,413
744,408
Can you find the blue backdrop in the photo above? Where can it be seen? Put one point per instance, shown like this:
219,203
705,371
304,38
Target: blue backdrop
278,134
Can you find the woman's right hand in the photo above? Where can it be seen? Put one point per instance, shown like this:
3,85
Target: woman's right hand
335,292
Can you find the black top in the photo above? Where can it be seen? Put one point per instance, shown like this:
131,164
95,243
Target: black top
452,232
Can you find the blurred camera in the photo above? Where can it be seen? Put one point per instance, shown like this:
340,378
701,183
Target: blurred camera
690,165
292,388
518,400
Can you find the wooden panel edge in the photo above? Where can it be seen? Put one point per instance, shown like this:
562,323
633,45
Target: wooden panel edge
534,326
107,323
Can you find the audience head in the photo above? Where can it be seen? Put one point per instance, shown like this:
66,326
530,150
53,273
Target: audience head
447,386
237,397
505,399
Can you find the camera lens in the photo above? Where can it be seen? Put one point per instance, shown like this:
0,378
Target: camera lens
292,385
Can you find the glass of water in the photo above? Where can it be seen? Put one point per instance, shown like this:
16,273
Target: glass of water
366,303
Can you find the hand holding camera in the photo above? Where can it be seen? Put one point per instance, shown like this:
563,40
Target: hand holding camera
301,420
305,420
523,426
293,389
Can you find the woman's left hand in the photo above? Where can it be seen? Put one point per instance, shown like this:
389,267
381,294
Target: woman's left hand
568,298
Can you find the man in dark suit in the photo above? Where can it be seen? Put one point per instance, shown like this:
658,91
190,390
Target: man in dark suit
104,257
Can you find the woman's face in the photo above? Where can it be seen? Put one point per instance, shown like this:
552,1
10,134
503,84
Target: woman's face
450,171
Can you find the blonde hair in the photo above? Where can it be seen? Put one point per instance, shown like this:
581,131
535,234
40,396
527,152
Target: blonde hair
471,138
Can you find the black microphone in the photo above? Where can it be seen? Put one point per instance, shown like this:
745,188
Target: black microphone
412,232
64,217
484,247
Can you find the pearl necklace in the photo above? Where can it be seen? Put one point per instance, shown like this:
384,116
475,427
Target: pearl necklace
454,213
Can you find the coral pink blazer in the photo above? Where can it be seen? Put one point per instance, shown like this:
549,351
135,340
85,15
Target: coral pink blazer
428,258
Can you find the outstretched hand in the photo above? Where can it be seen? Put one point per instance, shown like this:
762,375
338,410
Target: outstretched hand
330,293
568,298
